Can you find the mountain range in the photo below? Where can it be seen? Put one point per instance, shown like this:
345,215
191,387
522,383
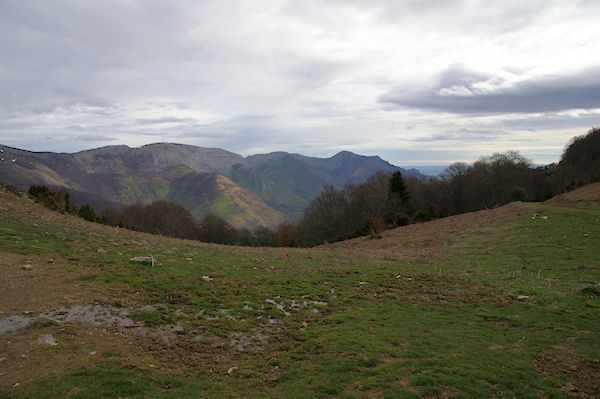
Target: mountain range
264,189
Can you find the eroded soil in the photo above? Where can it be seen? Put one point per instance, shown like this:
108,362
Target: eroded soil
582,374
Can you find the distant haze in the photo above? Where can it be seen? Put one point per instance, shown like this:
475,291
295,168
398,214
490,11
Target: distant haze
417,83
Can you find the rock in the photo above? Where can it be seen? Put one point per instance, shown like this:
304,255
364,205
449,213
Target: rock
143,259
178,329
16,384
207,278
545,217
47,339
232,370
304,324
27,267
101,251
522,297
570,387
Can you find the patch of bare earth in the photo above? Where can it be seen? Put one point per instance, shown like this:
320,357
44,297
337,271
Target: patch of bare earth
586,195
38,283
582,374
427,240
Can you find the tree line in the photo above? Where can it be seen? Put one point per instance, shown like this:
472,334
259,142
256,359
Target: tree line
388,200
383,201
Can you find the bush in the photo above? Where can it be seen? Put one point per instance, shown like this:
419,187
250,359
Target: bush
518,194
87,212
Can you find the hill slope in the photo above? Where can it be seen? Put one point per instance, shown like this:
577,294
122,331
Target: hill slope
507,308
283,183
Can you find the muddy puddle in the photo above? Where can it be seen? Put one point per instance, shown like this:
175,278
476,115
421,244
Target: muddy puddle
97,315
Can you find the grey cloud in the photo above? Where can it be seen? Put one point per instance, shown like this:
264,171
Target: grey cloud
461,91
465,135
94,138
165,119
554,121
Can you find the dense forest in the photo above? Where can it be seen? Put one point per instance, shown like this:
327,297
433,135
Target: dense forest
384,201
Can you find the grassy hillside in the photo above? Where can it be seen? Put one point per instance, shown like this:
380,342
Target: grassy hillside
489,305
201,193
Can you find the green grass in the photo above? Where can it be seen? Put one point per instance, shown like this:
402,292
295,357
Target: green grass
460,330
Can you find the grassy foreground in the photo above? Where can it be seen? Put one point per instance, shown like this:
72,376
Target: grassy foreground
287,323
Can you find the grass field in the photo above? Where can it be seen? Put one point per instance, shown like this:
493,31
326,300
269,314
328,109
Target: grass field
509,309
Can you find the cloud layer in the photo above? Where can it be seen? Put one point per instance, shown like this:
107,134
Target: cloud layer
461,91
380,77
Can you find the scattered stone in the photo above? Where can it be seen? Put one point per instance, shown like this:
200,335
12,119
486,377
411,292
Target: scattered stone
27,312
16,385
362,283
178,329
522,297
92,353
570,387
143,259
586,235
232,370
47,339
152,366
304,324
51,260
278,306
2,359
27,267
207,278
101,251
545,217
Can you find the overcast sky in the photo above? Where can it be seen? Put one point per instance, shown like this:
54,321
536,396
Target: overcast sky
416,82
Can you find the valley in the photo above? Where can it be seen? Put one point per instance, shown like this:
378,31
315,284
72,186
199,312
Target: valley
259,190
497,303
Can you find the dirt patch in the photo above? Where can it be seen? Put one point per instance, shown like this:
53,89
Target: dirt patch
49,283
586,195
85,335
429,239
582,374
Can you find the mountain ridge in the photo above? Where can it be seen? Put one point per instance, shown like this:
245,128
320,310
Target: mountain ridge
260,189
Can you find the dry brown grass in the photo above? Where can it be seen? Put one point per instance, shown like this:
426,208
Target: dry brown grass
586,195
428,240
